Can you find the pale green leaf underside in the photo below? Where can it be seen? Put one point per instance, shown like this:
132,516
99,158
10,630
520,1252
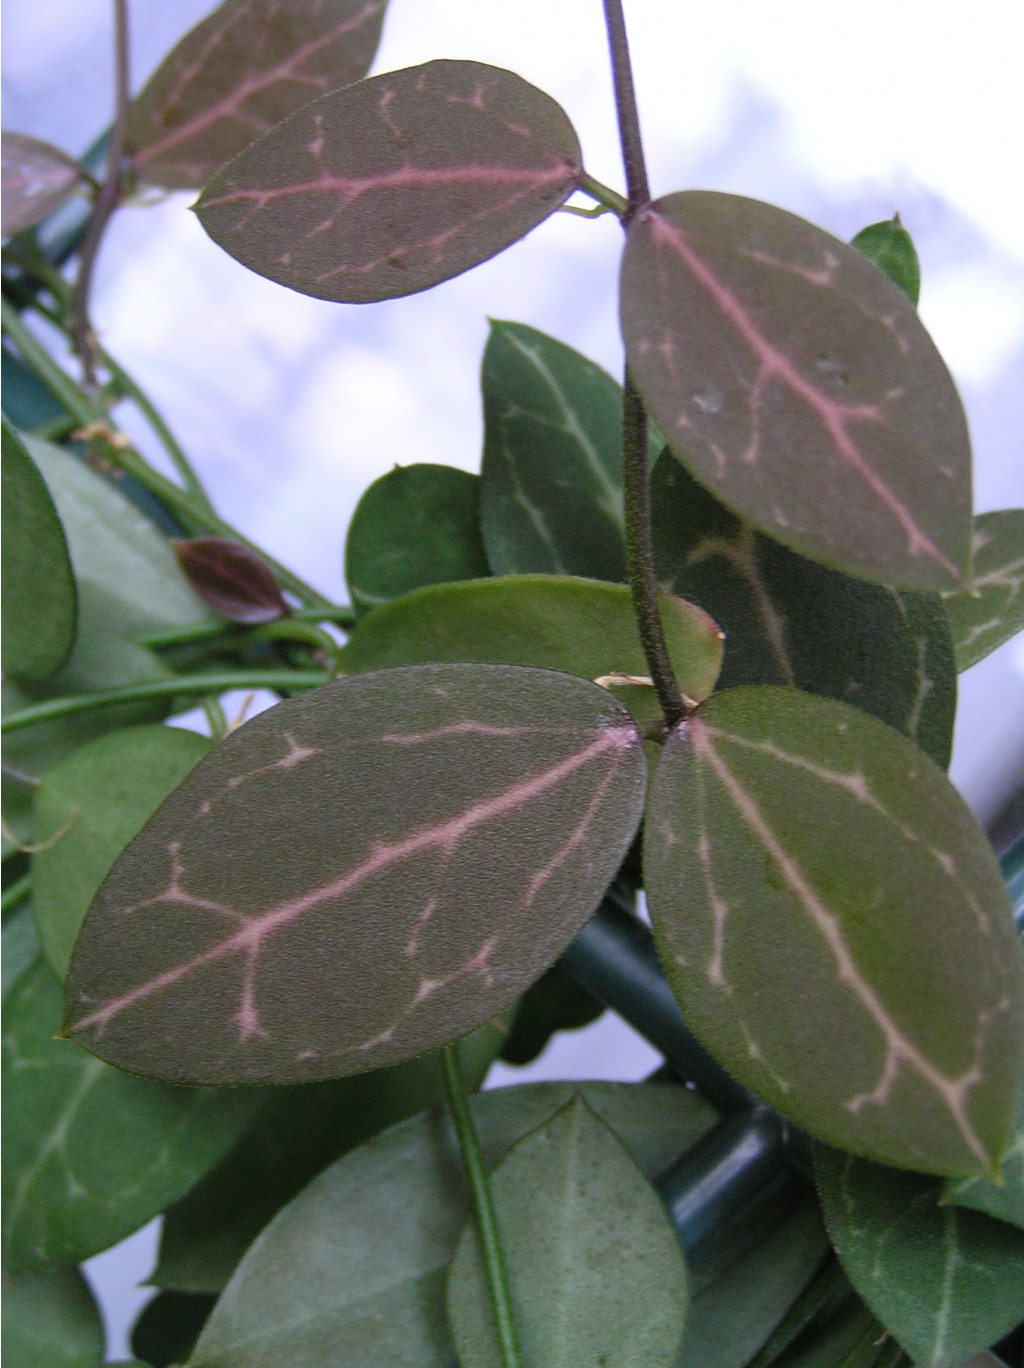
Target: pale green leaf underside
990,609
794,839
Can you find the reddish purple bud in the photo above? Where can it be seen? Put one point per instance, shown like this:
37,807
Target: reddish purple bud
231,579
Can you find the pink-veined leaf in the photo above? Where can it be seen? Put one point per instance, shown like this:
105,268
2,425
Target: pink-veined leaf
37,179
239,72
233,580
358,875
395,183
796,382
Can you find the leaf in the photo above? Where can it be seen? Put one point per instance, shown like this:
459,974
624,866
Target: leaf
87,809
595,1268
238,73
128,580
414,526
990,609
230,578
50,1321
790,621
37,179
1003,1199
91,1154
166,1331
322,1287
580,626
799,385
792,839
551,479
891,248
21,946
40,604
556,1002
299,1131
481,813
946,1282
396,183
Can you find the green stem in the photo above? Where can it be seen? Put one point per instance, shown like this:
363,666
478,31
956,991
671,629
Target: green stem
607,198
288,629
215,718
16,893
211,685
209,629
483,1209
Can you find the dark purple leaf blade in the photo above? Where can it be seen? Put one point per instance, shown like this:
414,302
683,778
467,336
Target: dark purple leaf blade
239,72
797,382
37,179
358,875
233,580
395,183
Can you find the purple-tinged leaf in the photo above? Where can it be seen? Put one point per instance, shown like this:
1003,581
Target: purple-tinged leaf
396,183
797,382
358,875
37,178
990,609
817,887
239,72
231,579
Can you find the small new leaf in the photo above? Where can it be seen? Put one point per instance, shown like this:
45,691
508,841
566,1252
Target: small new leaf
891,248
231,579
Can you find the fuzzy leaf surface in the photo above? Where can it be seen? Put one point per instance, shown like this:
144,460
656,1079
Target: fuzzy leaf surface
91,1154
946,1282
797,382
396,183
37,179
231,579
794,839
790,621
239,72
594,1263
990,609
50,1318
479,814
40,602
891,248
416,525
322,1289
87,809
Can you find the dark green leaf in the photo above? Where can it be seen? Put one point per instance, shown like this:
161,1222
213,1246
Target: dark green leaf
580,626
595,1268
394,184
891,248
788,620
91,1154
479,814
299,1131
241,71
87,809
231,579
416,525
551,492
166,1331
795,381
37,179
40,604
50,1320
325,1286
945,1281
792,839
556,1002
990,609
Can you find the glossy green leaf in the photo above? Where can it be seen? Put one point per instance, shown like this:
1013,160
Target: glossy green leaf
37,179
891,248
40,604
795,381
594,1265
551,479
128,579
323,1289
416,525
239,72
580,626
556,1002
299,1131
945,1281
234,581
480,814
396,183
91,1154
87,809
788,620
50,1320
792,839
990,609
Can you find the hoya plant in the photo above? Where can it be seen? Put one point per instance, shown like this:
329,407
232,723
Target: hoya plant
654,712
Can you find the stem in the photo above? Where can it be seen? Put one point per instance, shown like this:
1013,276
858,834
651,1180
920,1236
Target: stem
215,718
106,201
625,104
16,893
606,197
483,1209
287,629
195,686
209,629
